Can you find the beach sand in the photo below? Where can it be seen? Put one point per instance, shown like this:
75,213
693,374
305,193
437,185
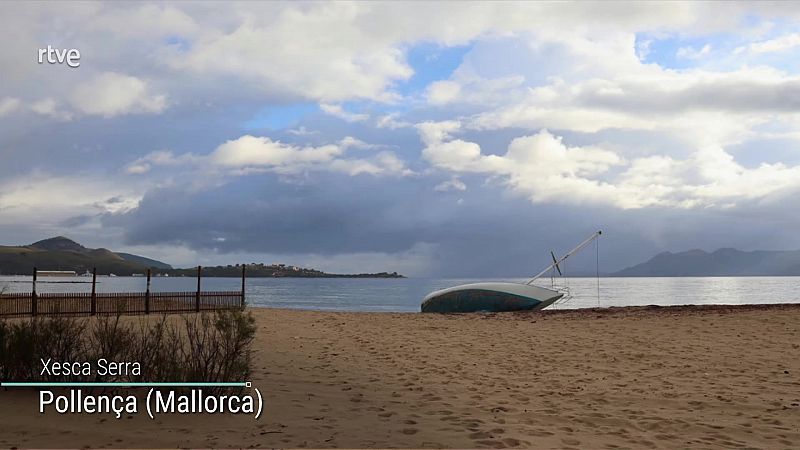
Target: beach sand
622,377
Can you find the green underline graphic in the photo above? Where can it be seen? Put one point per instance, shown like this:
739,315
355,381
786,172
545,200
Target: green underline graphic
122,384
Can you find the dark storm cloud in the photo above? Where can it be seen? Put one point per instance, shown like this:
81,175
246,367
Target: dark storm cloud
488,234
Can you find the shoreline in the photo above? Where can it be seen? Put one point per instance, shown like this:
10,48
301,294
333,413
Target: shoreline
603,311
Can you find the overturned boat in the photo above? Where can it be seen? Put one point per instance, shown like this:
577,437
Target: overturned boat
500,296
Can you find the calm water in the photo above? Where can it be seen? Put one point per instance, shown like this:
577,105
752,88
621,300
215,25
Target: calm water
405,295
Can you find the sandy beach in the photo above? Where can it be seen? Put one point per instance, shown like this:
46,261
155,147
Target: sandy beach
624,377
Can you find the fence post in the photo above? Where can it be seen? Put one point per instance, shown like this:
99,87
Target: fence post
94,291
197,295
33,294
243,271
147,295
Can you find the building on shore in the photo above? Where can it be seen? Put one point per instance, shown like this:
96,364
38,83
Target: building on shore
56,273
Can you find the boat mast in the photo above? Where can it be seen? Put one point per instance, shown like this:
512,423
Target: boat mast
560,260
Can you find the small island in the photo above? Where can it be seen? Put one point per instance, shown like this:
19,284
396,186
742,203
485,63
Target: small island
259,270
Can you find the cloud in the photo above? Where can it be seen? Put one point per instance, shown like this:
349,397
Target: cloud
45,107
477,91
113,94
42,200
540,166
779,44
453,184
262,152
544,169
8,105
254,154
332,60
643,48
693,53
390,121
301,131
338,111
49,107
160,158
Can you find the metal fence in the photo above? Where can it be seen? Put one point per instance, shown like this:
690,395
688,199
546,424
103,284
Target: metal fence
126,303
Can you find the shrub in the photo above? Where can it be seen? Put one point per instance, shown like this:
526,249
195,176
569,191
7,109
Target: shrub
199,347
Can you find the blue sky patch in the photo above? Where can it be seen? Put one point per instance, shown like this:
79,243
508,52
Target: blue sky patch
280,117
431,62
180,43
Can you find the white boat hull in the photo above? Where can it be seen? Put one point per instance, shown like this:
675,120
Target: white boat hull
492,297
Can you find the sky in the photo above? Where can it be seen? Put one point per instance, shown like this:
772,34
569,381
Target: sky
432,139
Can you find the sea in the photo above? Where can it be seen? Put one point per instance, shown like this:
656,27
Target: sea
406,294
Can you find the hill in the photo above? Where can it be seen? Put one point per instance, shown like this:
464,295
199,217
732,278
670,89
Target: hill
147,262
61,253
722,262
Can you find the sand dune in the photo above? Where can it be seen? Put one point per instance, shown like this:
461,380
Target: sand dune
627,377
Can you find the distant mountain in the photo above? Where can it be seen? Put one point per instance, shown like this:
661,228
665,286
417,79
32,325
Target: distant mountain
61,253
147,262
722,262
59,244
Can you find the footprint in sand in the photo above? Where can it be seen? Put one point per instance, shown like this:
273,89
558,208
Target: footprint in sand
480,435
491,443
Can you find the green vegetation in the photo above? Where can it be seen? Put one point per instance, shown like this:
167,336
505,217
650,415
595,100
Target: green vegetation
271,271
60,253
197,347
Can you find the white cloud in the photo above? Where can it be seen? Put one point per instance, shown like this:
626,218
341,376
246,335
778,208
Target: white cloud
643,48
542,168
391,122
338,111
348,142
324,54
39,196
112,94
693,53
697,106
302,131
49,107
779,44
453,184
474,90
8,105
253,154
442,92
334,52
264,153
436,132
160,158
